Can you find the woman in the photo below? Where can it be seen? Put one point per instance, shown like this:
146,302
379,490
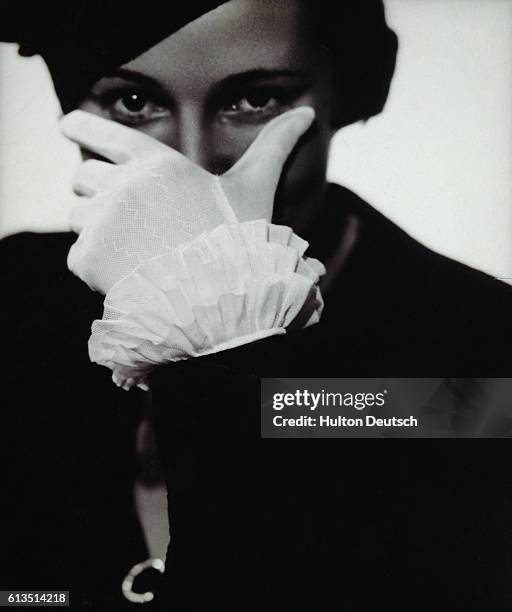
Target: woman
254,523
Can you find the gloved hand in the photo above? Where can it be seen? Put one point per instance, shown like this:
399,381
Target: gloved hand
189,261
152,199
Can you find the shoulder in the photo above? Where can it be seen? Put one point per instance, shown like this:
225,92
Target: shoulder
38,287
27,250
384,247
422,307
35,265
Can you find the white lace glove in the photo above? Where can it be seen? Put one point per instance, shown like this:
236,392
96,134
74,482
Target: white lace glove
189,261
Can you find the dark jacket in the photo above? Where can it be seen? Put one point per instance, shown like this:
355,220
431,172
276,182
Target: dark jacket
258,523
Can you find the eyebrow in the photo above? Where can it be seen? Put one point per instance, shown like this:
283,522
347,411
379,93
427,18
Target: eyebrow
260,74
230,82
136,77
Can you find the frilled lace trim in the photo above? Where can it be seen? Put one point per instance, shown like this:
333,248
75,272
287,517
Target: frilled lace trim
229,286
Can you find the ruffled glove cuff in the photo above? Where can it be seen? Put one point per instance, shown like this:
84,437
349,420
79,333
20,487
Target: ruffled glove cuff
229,286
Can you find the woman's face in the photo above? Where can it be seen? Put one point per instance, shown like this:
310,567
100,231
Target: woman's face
208,89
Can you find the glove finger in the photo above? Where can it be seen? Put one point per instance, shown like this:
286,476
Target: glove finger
75,263
73,258
78,216
116,142
83,212
92,176
262,163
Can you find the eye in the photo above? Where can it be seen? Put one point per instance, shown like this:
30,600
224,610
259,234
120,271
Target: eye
134,107
255,103
134,102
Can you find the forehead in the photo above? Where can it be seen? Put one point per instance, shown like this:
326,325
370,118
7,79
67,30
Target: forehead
238,36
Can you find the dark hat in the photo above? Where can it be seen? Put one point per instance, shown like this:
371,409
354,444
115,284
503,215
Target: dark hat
82,40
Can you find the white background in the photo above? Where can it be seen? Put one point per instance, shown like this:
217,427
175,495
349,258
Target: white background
438,161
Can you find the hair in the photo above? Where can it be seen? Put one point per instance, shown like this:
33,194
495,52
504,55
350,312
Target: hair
362,49
88,38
